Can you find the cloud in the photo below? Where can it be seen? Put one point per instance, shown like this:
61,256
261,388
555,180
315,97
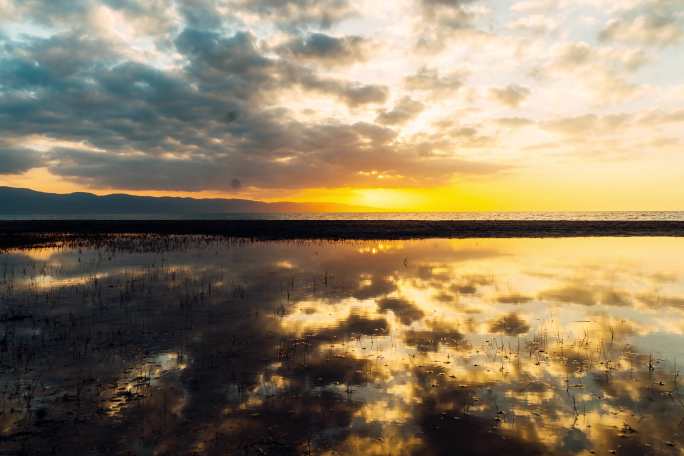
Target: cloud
662,118
53,63
213,119
536,6
151,18
648,30
291,14
313,160
449,136
406,109
53,12
430,80
293,94
602,71
352,94
572,55
326,49
200,14
453,14
513,122
535,24
236,64
17,160
589,124
656,23
510,96
439,22
579,56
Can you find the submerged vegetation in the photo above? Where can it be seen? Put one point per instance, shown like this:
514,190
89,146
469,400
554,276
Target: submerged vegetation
148,344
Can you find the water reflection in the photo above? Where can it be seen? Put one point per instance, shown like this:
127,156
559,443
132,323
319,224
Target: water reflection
194,344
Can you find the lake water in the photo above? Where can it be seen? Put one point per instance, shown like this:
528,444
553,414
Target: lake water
182,345
592,216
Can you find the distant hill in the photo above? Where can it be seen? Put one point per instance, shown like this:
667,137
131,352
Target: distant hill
26,202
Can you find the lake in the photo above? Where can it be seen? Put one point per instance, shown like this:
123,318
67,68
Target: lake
389,216
196,344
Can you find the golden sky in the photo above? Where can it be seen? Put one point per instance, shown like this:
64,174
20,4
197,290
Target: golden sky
403,105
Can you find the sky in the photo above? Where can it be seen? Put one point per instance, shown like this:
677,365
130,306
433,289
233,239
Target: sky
402,105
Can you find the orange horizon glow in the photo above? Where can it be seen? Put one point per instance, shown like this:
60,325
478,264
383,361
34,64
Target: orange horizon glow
468,196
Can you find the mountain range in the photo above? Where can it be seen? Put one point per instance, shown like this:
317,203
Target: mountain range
26,202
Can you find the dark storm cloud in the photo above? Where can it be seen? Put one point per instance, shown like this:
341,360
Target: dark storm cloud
326,49
157,16
52,64
50,12
236,64
211,121
299,13
231,63
200,15
352,94
315,161
17,160
289,15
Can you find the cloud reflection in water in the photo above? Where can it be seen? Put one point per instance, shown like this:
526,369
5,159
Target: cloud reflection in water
189,344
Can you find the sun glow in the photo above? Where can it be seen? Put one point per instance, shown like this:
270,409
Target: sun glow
390,199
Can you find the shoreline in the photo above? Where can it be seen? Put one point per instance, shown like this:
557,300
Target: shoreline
25,233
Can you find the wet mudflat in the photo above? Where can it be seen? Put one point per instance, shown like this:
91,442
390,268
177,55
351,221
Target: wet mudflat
145,344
